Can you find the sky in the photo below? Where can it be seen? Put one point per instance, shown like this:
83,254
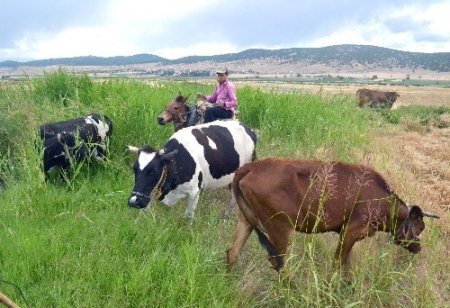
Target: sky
42,29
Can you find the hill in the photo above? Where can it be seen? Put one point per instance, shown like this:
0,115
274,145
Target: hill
87,61
338,59
339,55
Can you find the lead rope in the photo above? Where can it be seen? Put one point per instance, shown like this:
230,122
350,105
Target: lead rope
157,189
162,180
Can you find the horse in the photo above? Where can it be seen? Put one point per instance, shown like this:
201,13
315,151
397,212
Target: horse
182,114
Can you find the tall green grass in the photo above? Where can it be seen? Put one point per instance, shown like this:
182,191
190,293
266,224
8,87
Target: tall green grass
76,243
299,124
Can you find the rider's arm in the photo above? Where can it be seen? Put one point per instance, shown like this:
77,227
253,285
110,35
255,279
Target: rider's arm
213,98
231,100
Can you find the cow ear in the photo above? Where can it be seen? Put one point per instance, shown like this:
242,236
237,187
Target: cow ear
415,212
133,149
166,157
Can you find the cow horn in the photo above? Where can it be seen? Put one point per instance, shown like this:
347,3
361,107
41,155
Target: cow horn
133,149
431,215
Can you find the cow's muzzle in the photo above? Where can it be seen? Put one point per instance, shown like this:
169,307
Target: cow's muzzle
138,200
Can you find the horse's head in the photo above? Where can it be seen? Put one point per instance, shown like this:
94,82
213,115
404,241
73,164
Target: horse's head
175,112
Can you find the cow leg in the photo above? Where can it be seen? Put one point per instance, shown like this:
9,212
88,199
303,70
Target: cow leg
241,234
278,245
229,210
192,205
348,237
99,153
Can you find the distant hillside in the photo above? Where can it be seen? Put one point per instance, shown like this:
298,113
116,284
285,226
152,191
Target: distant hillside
372,57
349,55
88,61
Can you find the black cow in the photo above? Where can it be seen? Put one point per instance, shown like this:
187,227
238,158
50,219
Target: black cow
76,139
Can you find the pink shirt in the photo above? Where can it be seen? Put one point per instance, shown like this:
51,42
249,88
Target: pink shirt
225,92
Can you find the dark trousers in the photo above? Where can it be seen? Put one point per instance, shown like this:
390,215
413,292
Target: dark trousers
215,113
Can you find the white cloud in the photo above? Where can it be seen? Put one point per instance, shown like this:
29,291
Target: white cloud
124,28
199,49
101,41
178,28
434,29
154,11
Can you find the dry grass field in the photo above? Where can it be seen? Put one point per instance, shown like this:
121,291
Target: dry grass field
418,164
409,95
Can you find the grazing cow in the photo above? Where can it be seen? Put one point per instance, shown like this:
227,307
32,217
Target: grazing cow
194,158
375,98
276,197
74,139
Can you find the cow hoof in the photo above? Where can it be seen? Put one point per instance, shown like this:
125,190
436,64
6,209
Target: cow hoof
189,220
287,279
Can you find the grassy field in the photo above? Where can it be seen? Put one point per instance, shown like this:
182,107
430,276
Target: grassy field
77,244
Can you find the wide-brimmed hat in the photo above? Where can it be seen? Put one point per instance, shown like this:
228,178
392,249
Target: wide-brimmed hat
222,70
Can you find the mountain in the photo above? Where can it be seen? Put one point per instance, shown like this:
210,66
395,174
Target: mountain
349,55
88,61
362,56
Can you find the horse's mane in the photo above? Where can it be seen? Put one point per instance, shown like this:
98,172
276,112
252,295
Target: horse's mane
193,117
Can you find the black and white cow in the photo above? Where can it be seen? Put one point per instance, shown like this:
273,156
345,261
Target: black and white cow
194,158
75,139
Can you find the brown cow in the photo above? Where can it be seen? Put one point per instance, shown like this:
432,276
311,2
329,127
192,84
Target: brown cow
376,98
277,196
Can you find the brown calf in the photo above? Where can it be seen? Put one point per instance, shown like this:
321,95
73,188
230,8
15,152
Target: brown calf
376,98
276,197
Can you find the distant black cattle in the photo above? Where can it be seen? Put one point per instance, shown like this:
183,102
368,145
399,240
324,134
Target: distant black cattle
74,140
376,98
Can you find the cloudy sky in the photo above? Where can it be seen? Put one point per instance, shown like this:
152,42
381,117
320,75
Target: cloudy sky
175,28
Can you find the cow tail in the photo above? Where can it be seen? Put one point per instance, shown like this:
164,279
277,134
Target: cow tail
239,197
249,215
